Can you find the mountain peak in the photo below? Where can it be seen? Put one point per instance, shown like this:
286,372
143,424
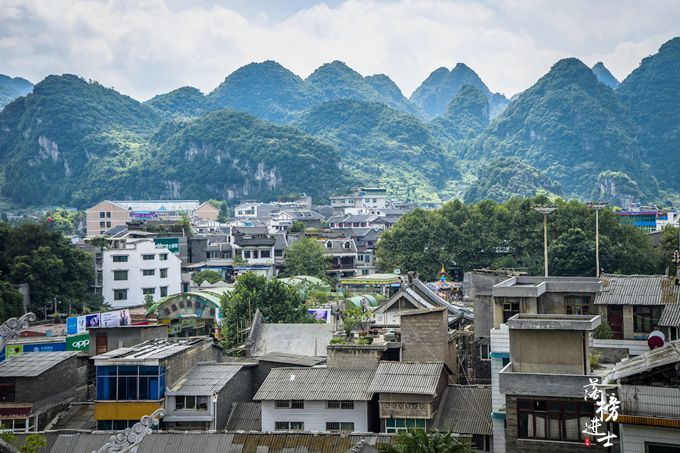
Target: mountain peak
333,69
604,76
462,67
671,45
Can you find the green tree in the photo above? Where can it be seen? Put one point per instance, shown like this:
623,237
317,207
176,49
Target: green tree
669,243
277,302
10,301
572,254
33,444
297,227
211,276
223,207
353,317
420,441
306,257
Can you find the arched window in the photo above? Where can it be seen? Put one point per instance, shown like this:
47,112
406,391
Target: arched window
329,244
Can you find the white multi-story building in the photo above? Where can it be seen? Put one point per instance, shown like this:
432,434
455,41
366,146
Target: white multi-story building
136,268
363,200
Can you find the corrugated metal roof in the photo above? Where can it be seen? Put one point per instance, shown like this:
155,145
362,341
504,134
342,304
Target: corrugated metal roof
205,379
406,377
670,353
292,359
33,364
316,384
465,409
245,417
637,290
670,316
77,416
151,350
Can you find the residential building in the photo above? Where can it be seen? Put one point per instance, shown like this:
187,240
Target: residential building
131,382
136,268
359,201
343,255
202,399
107,214
105,339
544,383
283,221
647,387
633,305
465,411
355,221
317,400
35,387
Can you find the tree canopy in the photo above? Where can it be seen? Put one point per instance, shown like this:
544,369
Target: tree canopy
306,257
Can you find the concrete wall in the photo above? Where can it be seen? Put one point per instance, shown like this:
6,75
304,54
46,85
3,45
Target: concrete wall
124,337
354,356
239,389
555,351
424,336
483,309
315,415
113,215
179,364
633,438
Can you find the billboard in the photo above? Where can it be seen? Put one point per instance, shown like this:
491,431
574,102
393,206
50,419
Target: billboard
45,347
12,350
92,320
172,244
320,314
78,342
80,324
115,318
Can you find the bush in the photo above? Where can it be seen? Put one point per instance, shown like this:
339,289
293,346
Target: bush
338,340
603,331
363,341
594,360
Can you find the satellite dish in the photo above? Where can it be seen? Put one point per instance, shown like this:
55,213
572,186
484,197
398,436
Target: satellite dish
397,271
656,339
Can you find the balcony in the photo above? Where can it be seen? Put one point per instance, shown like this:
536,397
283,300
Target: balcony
546,384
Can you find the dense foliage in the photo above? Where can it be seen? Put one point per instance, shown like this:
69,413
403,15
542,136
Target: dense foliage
384,146
52,267
210,276
278,303
604,76
489,234
466,116
421,441
306,257
12,88
185,102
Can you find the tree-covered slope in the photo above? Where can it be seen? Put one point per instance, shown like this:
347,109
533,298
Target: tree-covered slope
52,139
652,94
185,102
227,154
436,92
12,88
266,90
466,116
604,76
572,127
382,146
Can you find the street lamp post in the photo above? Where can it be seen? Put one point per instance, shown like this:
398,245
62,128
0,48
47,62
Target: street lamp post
545,210
597,206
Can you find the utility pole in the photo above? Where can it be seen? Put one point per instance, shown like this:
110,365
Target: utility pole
545,210
597,206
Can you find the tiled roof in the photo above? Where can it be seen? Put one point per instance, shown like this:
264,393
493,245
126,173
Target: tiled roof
637,290
316,384
33,363
9,411
151,350
77,416
406,377
292,359
205,379
159,205
670,316
465,410
245,417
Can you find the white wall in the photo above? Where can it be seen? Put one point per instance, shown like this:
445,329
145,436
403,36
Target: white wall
136,281
315,415
633,437
500,342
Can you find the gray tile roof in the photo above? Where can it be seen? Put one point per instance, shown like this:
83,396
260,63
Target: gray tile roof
637,290
77,416
316,384
205,379
245,417
406,377
670,316
465,410
33,364
292,359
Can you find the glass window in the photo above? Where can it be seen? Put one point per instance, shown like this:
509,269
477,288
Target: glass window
148,272
164,291
484,351
646,317
510,309
246,254
148,257
120,294
202,403
7,392
297,404
282,404
120,258
146,291
120,275
108,214
130,383
278,252
554,420
577,305
164,273
163,256
102,224
395,425
102,214
265,254
340,426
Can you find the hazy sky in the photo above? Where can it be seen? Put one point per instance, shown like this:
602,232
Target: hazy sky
145,47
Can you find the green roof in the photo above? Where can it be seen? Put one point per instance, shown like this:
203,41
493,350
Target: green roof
212,295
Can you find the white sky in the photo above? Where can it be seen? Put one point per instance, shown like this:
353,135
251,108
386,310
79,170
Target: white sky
146,47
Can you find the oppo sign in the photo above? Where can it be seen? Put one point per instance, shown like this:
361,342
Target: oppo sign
78,343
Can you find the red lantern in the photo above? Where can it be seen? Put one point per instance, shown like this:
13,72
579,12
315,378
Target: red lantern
587,442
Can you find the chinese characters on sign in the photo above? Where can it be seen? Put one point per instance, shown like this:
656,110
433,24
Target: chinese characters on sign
607,410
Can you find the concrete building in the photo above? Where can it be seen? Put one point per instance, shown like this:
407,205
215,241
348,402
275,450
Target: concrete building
202,399
343,255
105,339
317,400
359,201
107,214
543,384
136,268
35,387
131,382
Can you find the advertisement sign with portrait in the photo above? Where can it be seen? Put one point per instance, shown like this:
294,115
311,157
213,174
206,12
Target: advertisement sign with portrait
320,314
92,320
115,318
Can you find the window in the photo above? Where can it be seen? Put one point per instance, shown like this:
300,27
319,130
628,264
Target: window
553,420
255,254
199,403
346,244
278,252
130,382
120,258
163,256
102,214
246,254
265,254
164,273
340,404
108,224
282,404
149,257
395,425
660,448
645,317
102,224
164,291
120,275
329,244
361,257
340,426
484,351
148,272
7,392
289,404
510,309
297,404
577,305
146,291
120,294
289,426
108,214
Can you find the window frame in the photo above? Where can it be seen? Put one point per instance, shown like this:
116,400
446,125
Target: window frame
640,320
145,256
118,272
584,412
123,291
120,258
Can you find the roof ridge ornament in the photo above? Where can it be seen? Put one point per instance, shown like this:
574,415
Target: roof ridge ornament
10,329
128,441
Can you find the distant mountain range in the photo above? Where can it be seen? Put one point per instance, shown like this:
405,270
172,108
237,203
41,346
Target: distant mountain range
264,132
